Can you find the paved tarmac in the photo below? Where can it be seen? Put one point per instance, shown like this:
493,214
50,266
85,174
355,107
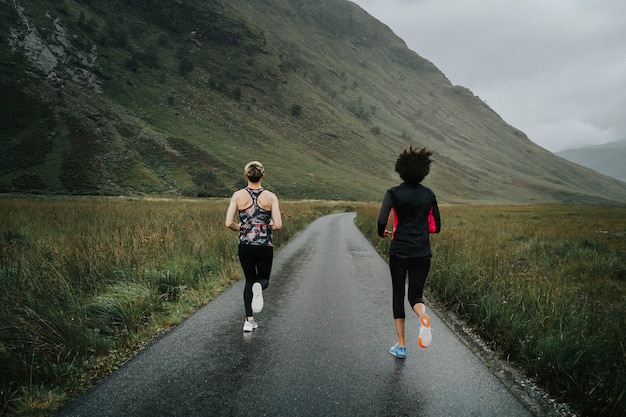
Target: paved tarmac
321,349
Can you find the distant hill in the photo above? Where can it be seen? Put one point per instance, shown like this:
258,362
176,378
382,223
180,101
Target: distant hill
172,98
608,159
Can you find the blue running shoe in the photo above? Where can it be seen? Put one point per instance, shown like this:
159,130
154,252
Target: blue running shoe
398,351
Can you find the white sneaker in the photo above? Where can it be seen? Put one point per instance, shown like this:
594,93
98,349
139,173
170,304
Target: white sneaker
257,297
249,325
425,336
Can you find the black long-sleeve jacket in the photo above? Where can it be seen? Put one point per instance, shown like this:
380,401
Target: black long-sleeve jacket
411,205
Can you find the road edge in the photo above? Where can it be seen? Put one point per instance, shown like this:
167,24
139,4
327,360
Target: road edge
523,387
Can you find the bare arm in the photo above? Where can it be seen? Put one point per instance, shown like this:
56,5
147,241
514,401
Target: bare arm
277,221
230,215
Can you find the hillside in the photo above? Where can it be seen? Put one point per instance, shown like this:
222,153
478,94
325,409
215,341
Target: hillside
608,159
154,97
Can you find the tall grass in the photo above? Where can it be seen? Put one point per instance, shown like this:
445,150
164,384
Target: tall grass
545,285
85,281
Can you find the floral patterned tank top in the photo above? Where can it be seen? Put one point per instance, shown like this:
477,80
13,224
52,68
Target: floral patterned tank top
255,222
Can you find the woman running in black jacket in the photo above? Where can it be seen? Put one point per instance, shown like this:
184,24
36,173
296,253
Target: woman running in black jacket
415,215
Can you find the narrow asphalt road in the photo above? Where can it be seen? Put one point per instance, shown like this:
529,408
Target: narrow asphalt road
321,349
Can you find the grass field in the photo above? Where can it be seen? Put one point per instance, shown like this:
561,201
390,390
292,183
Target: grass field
545,286
85,282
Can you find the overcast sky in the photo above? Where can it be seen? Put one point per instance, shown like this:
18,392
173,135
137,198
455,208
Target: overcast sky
555,69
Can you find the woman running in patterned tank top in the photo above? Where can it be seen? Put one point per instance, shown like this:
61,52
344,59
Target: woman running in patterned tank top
259,215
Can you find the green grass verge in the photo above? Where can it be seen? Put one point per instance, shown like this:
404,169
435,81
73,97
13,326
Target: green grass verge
544,285
86,282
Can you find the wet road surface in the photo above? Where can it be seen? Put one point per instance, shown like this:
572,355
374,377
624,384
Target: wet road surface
321,349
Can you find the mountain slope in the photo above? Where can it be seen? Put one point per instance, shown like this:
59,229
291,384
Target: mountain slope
173,98
608,159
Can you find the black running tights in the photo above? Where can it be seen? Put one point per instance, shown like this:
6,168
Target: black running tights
256,262
417,270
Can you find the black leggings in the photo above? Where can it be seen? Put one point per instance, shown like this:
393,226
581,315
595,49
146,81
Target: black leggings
417,270
256,262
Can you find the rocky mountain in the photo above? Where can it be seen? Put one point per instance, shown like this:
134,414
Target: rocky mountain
172,98
608,159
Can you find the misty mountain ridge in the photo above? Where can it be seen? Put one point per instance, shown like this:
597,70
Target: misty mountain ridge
153,97
608,158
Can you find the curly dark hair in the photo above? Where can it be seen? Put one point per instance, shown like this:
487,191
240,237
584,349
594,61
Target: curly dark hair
413,165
